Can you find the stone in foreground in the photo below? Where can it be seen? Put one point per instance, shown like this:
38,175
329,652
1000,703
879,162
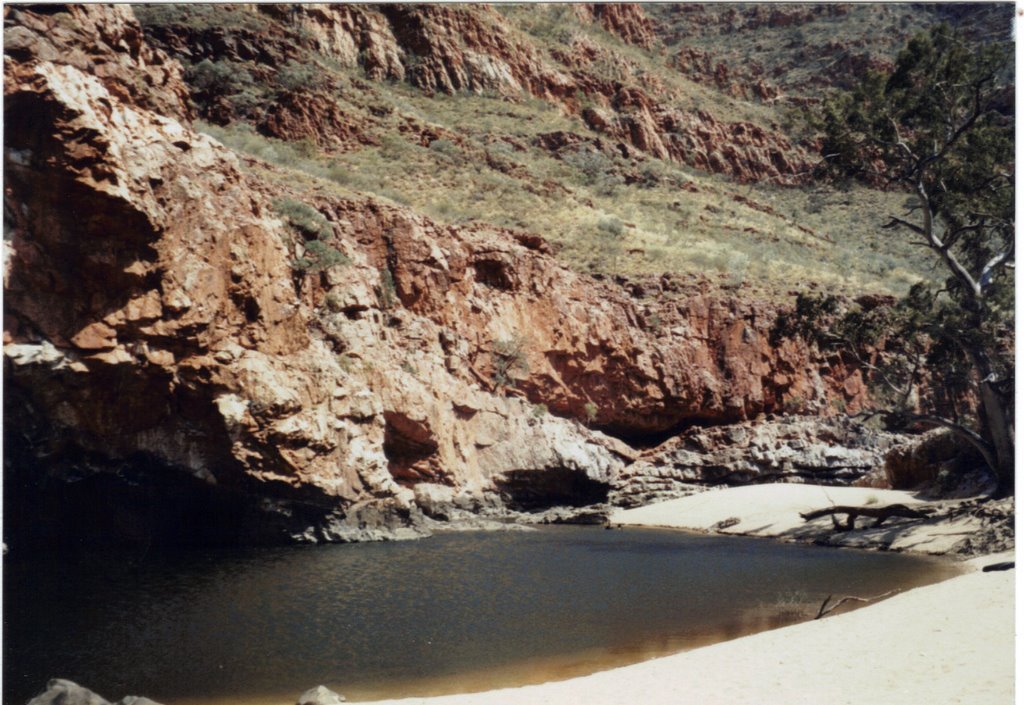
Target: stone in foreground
64,692
320,695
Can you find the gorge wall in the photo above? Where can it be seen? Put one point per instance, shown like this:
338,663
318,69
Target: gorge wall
446,49
186,357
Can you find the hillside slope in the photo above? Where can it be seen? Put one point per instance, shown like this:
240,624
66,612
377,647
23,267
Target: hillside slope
581,124
205,345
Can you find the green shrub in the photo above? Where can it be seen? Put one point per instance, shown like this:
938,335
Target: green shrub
611,226
651,175
294,76
448,150
508,357
594,169
590,409
315,229
794,405
444,146
307,220
319,256
589,164
334,302
200,16
210,80
606,248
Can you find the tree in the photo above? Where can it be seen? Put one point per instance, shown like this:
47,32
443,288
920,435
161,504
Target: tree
940,128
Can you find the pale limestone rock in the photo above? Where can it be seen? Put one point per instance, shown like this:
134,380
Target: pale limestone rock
320,695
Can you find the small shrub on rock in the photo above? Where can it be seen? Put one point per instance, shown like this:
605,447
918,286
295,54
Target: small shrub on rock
387,296
315,230
294,76
306,219
507,358
319,256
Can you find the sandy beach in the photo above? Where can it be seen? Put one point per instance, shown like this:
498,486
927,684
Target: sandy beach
774,511
952,642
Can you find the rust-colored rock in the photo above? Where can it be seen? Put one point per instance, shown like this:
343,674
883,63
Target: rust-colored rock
746,81
105,42
160,329
743,150
625,20
298,115
448,49
156,324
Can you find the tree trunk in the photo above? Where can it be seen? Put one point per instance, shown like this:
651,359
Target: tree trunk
998,424
996,416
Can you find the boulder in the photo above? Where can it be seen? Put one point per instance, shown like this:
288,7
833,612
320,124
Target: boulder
64,692
320,695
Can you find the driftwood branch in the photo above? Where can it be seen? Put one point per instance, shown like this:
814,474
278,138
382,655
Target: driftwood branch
880,514
826,608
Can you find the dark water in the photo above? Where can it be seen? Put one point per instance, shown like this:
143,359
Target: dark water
454,612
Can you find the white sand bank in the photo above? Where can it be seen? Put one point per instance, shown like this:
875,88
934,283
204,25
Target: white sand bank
952,642
774,510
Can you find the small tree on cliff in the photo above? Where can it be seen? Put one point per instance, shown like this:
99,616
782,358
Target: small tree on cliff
940,128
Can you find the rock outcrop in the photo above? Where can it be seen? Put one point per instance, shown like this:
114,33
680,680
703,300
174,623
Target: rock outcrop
625,20
452,49
313,117
108,45
184,363
64,692
743,150
153,319
794,449
747,81
796,53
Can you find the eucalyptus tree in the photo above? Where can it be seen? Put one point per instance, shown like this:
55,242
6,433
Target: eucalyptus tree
938,127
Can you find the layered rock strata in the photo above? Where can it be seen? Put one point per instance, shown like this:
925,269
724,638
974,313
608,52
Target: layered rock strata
180,364
797,449
448,49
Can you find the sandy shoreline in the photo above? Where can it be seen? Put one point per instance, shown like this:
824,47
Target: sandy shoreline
774,511
951,642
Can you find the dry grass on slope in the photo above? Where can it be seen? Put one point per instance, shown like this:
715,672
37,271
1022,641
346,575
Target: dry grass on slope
778,239
477,157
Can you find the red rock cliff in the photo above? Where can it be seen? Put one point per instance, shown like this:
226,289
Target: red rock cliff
157,324
446,49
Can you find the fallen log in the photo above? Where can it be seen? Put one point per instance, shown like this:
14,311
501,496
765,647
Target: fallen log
880,514
825,609
1005,565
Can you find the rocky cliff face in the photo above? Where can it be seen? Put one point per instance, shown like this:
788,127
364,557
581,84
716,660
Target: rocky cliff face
449,49
797,52
791,449
625,20
186,357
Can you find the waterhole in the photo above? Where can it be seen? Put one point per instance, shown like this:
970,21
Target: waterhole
456,612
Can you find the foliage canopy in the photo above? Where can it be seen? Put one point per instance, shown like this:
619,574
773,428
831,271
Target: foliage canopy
939,127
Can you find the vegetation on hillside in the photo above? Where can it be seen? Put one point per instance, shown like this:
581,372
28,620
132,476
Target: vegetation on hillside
480,157
938,128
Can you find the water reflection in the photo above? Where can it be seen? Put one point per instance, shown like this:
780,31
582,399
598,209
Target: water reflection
456,612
